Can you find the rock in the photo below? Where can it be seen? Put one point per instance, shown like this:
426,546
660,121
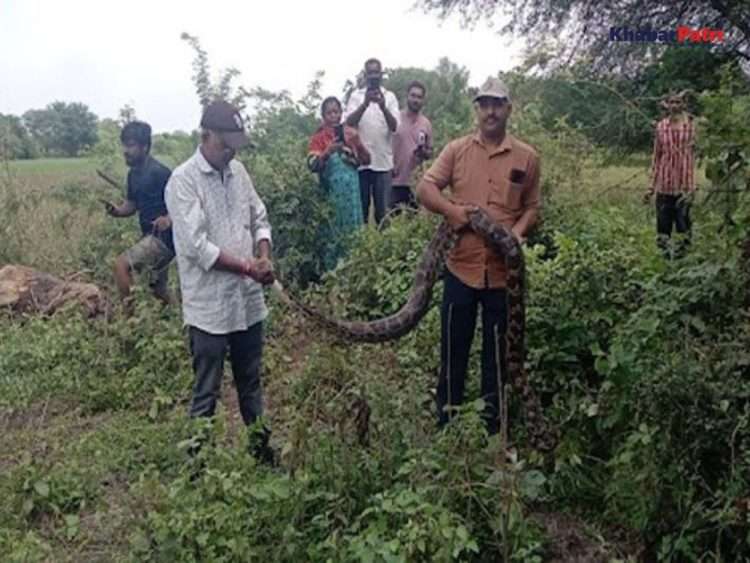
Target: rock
25,290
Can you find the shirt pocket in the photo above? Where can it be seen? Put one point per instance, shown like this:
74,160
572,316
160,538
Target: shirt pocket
506,195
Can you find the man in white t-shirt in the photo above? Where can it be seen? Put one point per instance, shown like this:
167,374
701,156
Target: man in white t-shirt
373,110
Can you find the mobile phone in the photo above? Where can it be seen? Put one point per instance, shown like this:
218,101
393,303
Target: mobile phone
373,83
339,131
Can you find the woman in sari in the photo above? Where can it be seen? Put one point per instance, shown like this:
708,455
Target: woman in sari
335,152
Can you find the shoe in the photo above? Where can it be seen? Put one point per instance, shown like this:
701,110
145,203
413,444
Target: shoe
266,455
259,447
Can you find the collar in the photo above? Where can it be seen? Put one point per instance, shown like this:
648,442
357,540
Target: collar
206,168
685,118
505,145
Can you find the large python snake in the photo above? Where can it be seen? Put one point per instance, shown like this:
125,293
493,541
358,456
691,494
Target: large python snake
418,303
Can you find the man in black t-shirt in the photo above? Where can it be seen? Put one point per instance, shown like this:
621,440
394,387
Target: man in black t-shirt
147,179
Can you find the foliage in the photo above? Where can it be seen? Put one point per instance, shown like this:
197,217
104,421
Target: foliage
207,89
15,141
632,342
281,129
724,144
55,194
107,150
398,501
447,103
174,148
616,112
549,25
641,363
93,362
62,128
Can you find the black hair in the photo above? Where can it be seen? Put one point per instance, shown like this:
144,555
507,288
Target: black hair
416,84
329,100
138,132
373,61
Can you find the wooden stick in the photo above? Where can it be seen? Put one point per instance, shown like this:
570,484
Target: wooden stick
108,179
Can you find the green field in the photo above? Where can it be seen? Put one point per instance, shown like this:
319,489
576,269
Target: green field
52,173
40,172
66,166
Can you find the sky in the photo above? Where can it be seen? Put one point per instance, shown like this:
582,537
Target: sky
107,54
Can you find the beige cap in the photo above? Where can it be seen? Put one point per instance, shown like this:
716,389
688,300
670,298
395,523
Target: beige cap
493,88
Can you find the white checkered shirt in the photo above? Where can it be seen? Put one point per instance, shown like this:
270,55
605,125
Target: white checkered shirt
209,213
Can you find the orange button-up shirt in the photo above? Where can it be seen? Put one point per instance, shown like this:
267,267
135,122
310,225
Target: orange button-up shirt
503,180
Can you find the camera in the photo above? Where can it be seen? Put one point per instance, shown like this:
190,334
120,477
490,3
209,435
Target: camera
339,132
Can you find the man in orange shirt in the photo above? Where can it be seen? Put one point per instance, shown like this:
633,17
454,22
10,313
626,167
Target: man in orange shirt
493,170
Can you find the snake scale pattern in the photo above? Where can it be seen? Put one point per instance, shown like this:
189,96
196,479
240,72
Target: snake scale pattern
418,303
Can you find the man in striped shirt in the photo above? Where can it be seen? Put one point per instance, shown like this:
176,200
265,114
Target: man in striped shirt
672,174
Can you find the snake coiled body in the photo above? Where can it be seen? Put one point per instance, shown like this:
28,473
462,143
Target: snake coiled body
418,303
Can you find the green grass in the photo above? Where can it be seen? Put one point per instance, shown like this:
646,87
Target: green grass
43,174
81,165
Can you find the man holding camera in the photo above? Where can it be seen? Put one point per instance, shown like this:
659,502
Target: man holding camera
412,145
373,110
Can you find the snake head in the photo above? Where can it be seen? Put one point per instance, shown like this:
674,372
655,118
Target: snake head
472,211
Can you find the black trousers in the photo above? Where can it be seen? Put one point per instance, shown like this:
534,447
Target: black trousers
672,213
245,350
375,185
402,196
458,321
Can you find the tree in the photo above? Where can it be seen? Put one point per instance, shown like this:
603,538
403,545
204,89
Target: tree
15,141
724,144
208,90
62,128
126,115
448,101
582,27
613,111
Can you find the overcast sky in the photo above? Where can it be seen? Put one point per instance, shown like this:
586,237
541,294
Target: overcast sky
106,54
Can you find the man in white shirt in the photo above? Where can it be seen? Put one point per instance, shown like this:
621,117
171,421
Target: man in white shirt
373,110
222,238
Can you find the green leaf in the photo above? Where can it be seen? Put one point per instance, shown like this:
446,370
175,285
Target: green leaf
42,488
698,324
260,493
532,484
72,522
